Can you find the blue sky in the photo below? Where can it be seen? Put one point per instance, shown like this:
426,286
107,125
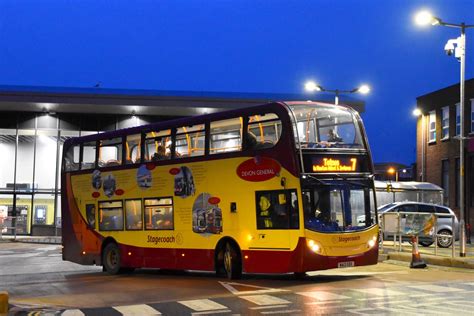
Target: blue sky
242,46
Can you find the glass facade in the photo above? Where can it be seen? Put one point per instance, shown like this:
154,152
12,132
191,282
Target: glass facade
30,179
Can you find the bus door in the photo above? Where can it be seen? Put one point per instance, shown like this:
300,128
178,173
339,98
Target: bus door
277,219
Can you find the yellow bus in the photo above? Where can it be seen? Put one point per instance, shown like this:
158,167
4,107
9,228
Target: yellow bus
284,187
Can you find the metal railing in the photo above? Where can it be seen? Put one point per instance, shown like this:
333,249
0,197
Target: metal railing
391,223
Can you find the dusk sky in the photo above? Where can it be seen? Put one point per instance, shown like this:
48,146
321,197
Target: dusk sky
243,46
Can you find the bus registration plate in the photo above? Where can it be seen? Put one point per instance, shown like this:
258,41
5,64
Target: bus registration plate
345,264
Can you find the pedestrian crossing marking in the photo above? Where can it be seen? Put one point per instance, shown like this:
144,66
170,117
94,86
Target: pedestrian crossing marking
136,310
202,305
72,312
247,289
379,291
267,307
323,295
289,311
265,299
435,288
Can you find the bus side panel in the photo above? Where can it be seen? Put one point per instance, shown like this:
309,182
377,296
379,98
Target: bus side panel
167,258
80,244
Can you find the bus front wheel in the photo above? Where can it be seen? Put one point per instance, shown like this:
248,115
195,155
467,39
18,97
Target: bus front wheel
111,259
232,262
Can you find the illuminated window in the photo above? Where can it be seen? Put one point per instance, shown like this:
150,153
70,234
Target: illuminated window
264,131
132,149
226,136
133,214
111,215
110,152
445,122
88,155
159,214
190,141
71,158
158,145
432,127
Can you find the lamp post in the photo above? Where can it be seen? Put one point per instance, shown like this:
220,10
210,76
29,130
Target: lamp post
425,18
417,112
312,86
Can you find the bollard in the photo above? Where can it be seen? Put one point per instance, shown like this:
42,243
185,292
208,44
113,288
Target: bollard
3,302
416,261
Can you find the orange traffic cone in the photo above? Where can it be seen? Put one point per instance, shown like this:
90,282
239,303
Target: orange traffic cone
416,261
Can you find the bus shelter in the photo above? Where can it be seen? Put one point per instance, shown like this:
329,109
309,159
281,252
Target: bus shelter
389,192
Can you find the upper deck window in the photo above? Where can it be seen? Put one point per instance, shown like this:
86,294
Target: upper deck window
226,136
132,148
263,131
326,127
190,141
110,152
88,155
71,159
158,145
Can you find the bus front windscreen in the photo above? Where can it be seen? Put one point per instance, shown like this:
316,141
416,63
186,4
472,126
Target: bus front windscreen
336,205
320,126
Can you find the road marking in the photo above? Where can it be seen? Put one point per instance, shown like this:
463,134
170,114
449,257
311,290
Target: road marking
202,305
72,312
268,307
252,289
265,300
323,295
379,291
288,311
435,288
370,311
136,310
211,312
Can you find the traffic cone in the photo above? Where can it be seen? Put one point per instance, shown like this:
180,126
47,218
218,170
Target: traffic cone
416,261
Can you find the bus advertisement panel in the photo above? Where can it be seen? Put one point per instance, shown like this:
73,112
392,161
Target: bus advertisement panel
256,190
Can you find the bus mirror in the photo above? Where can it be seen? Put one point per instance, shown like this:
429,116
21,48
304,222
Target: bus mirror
233,207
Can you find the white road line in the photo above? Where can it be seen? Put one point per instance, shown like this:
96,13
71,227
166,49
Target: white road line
379,311
202,305
136,310
435,288
288,311
268,307
265,299
379,291
72,312
323,295
211,312
330,305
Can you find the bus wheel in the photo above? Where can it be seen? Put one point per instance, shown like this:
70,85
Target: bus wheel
111,258
232,262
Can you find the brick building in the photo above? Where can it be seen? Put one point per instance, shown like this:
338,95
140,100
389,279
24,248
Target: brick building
437,146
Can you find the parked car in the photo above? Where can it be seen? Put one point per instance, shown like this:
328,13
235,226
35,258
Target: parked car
444,223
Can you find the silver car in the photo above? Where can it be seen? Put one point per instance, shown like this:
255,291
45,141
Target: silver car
444,223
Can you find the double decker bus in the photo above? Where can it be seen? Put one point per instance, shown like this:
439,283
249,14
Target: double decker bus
275,188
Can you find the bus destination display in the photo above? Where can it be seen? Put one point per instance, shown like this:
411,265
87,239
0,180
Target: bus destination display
335,164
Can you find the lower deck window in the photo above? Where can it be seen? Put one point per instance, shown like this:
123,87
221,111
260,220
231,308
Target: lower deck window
111,215
277,209
159,214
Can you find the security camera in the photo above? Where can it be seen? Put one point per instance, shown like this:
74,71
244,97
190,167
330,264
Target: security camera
449,48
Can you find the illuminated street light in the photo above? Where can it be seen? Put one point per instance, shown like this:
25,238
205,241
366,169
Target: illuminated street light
311,86
392,170
458,47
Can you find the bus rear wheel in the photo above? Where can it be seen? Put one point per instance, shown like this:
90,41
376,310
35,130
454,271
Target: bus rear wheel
232,262
111,259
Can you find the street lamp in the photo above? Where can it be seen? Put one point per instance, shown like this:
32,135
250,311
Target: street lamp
392,170
312,86
458,46
417,112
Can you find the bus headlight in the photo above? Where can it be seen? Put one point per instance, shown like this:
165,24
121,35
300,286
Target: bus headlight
372,242
314,246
